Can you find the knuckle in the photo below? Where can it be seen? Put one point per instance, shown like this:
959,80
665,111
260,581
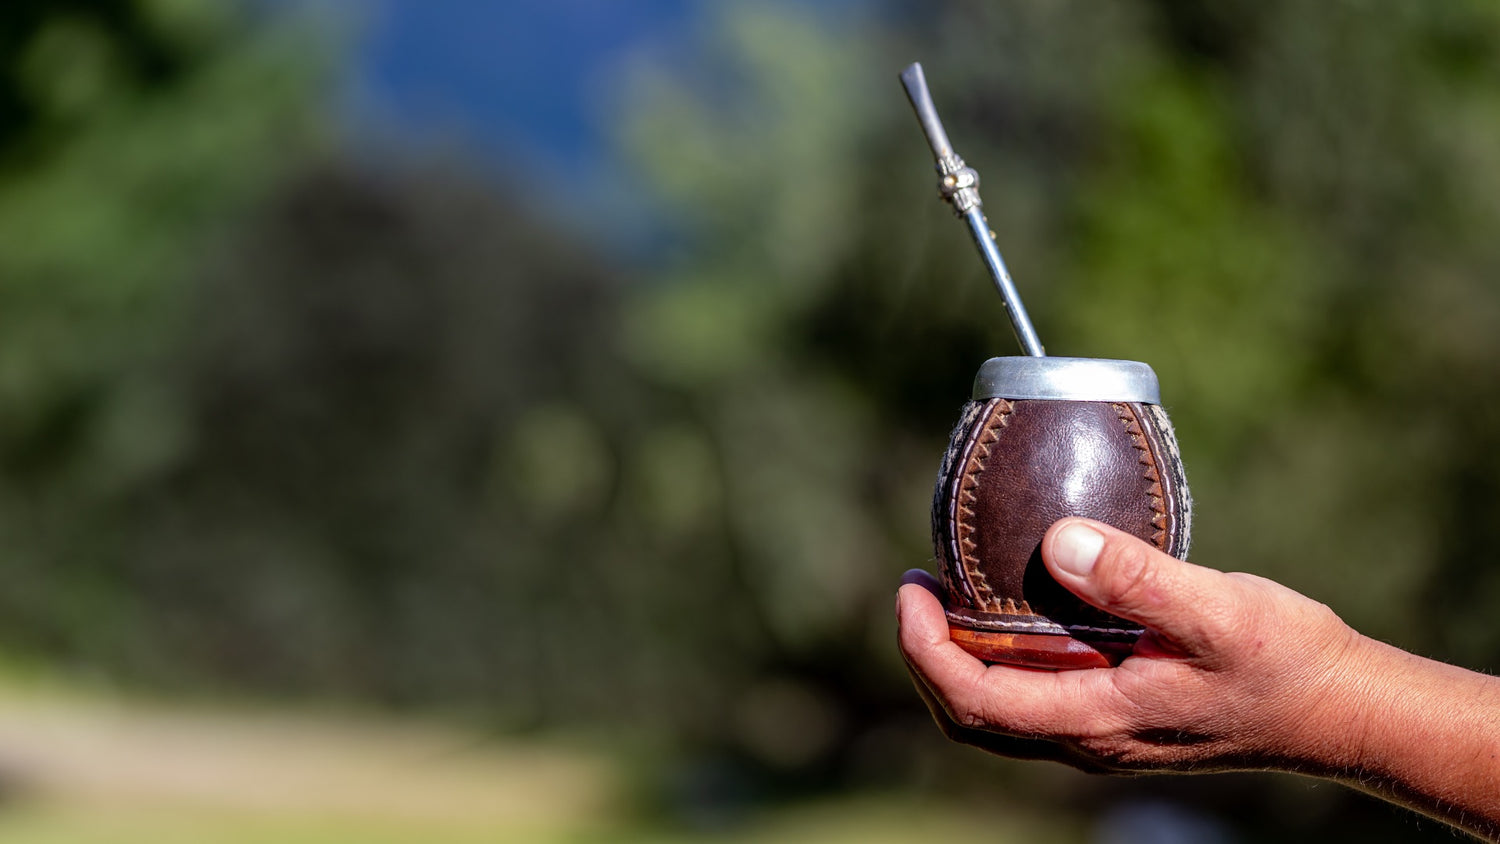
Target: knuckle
971,719
1220,622
965,711
1128,573
980,707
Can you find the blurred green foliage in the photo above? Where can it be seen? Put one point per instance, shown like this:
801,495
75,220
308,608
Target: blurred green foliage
278,417
131,134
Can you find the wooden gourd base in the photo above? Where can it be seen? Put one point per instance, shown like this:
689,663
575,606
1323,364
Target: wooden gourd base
1054,652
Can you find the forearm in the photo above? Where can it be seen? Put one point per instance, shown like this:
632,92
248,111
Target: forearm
1238,672
1420,733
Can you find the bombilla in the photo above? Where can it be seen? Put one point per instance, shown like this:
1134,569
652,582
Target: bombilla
959,185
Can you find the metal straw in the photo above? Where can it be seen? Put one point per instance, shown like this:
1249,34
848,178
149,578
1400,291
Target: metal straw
959,185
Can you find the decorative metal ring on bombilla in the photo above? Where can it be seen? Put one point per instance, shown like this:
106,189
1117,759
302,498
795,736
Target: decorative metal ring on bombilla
1042,438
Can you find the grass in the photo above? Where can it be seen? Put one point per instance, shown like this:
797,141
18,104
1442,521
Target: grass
866,820
93,768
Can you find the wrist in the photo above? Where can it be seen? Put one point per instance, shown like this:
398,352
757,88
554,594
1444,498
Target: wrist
1415,731
1344,703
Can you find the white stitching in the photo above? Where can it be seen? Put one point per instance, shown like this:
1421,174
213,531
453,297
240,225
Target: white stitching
981,624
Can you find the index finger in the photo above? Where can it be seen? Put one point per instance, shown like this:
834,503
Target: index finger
1001,698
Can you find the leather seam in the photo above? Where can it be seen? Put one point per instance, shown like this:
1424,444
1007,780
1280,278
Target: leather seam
1155,495
1163,443
966,500
955,577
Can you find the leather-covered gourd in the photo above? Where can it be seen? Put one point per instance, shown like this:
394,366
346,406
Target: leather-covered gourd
1015,466
1041,438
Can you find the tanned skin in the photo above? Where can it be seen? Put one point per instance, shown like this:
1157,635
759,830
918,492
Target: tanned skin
1236,672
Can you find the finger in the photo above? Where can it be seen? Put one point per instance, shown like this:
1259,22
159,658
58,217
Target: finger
1004,699
1187,607
924,579
1012,747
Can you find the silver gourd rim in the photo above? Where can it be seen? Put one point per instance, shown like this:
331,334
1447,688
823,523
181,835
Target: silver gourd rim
1067,379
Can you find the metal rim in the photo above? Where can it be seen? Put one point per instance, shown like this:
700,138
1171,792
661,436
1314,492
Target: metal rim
1067,379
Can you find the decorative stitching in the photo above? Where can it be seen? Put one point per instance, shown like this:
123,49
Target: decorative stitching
1149,472
944,502
1162,437
965,501
1011,606
1044,625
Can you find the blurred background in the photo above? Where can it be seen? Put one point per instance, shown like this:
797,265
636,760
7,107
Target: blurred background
454,421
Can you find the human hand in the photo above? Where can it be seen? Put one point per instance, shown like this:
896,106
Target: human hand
1235,671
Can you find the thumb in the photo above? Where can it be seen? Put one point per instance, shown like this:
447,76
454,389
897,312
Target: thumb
1187,605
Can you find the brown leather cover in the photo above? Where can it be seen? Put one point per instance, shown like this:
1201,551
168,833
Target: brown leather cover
1011,470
